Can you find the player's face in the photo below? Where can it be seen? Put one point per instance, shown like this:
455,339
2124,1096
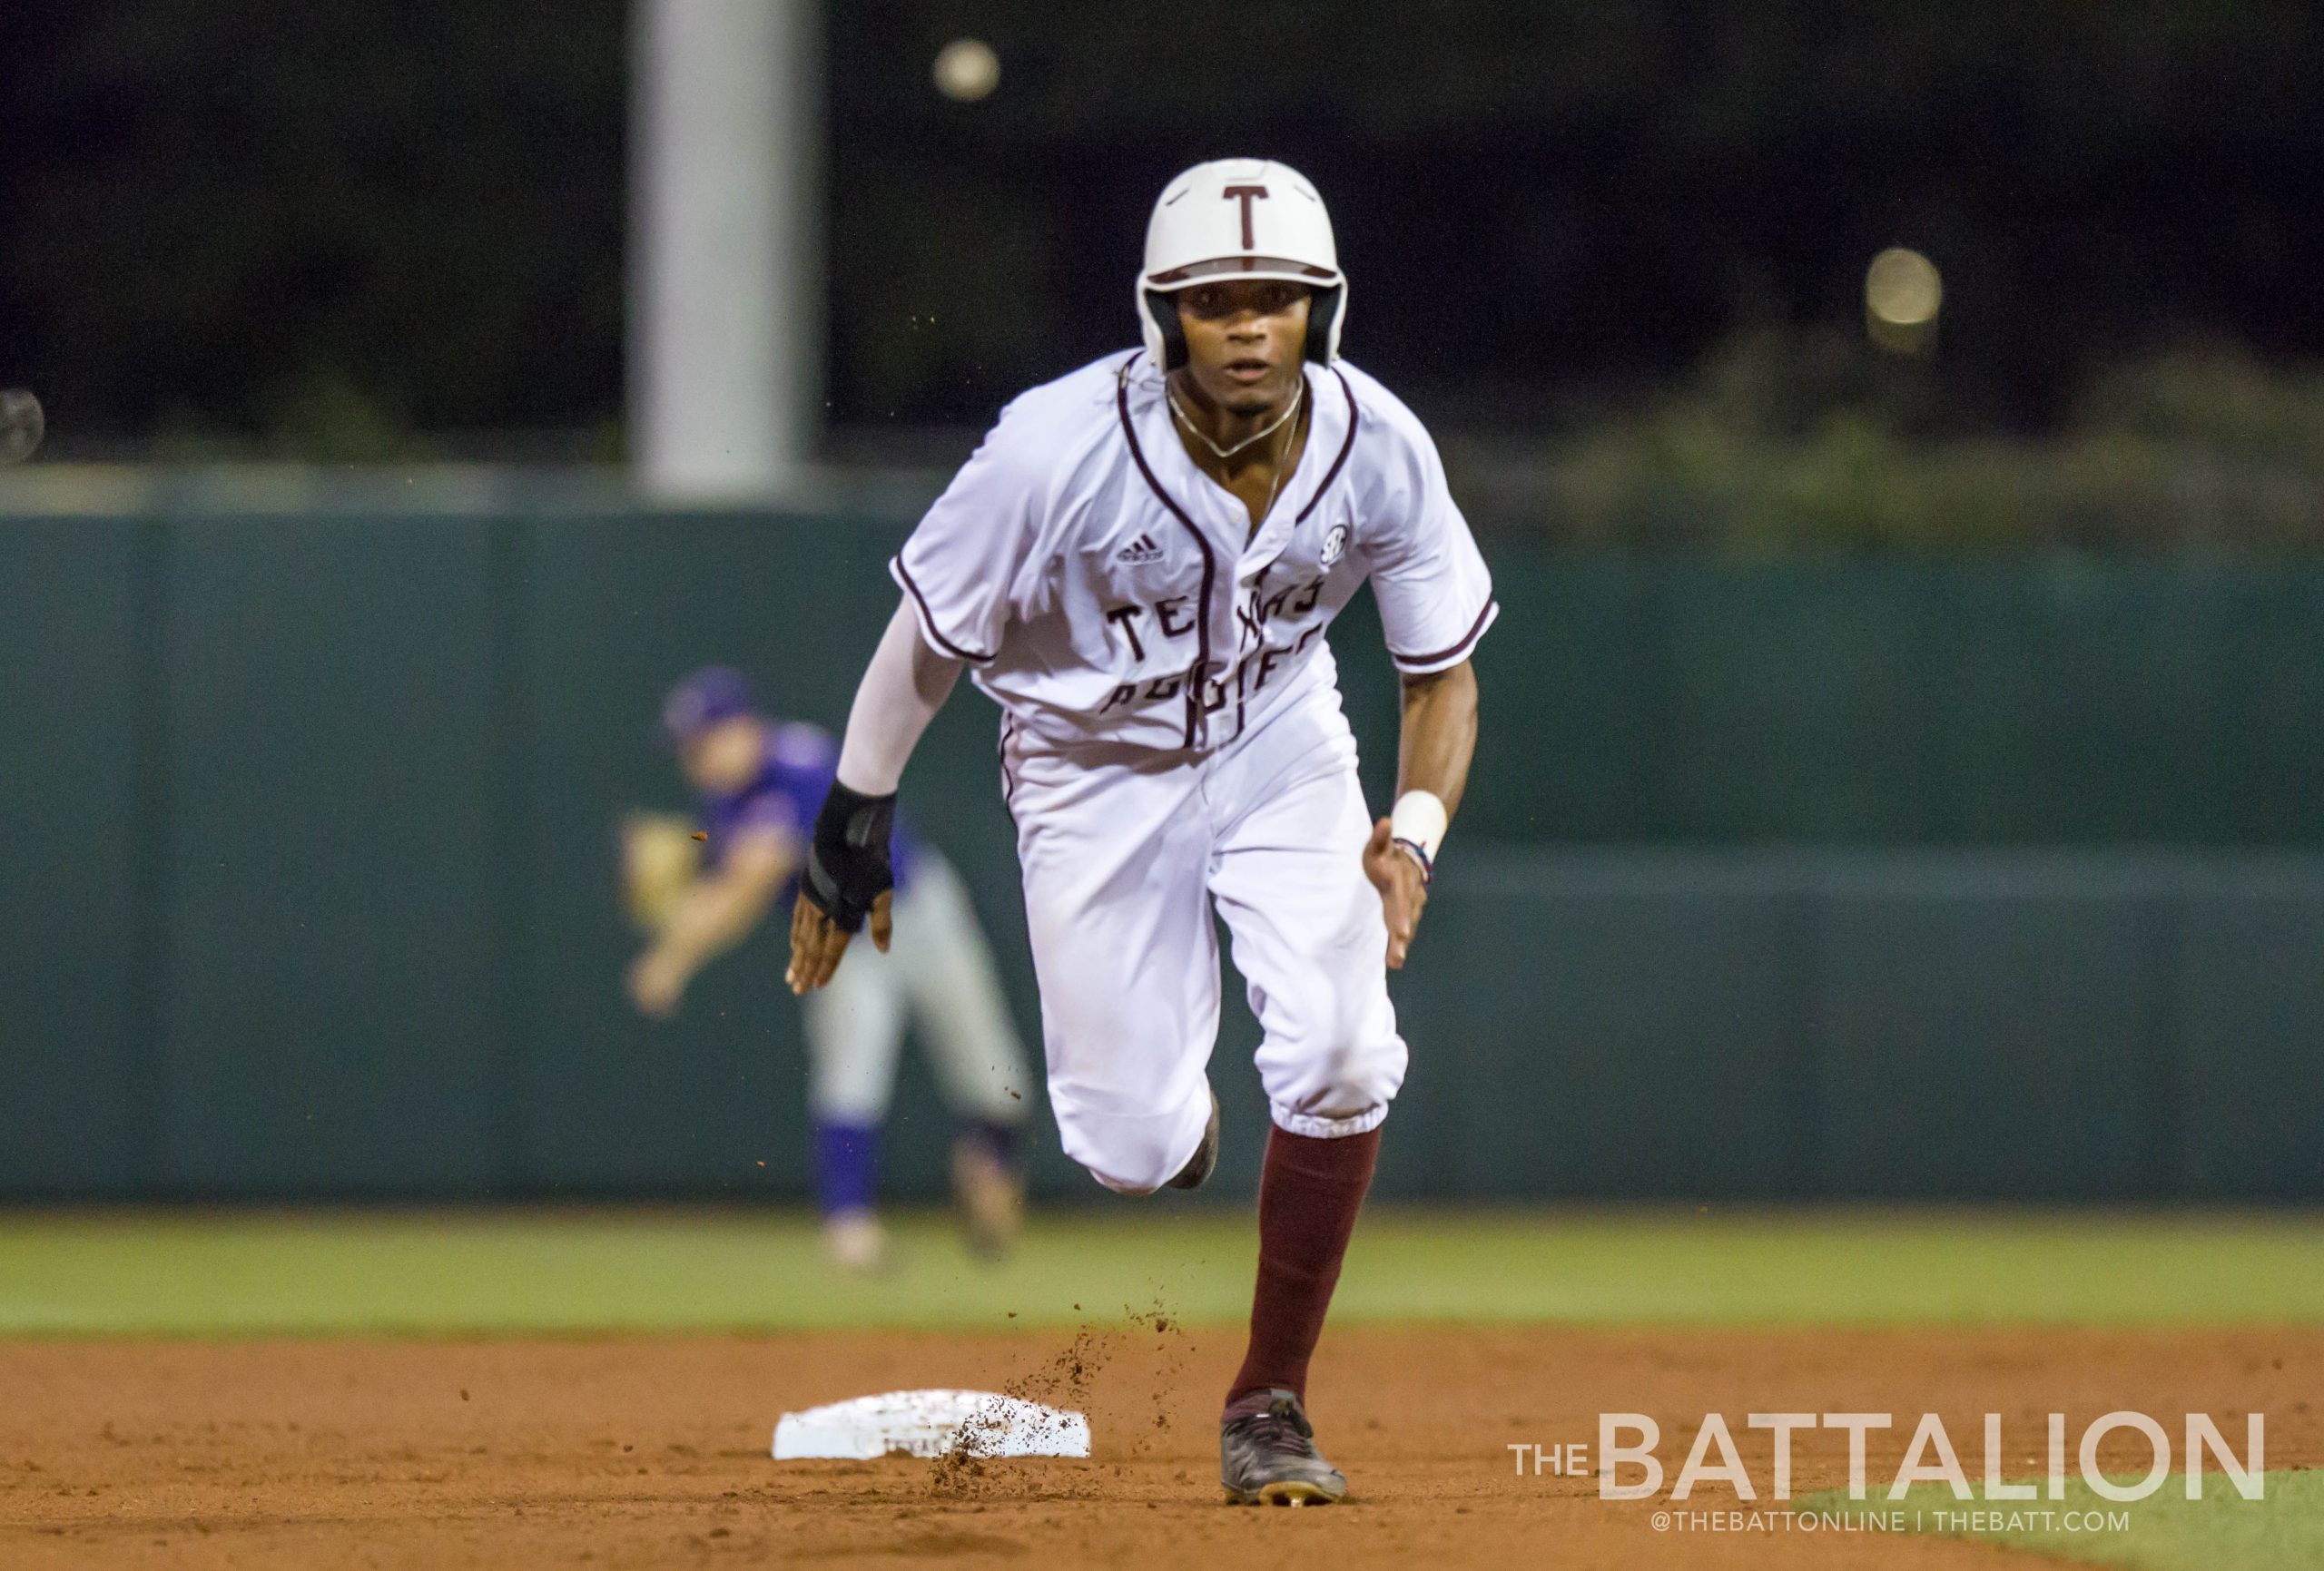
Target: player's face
1245,341
724,758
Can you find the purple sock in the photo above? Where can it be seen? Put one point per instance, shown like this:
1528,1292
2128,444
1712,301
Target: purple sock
847,1165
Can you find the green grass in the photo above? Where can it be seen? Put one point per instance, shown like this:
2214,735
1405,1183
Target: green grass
510,1271
2284,1531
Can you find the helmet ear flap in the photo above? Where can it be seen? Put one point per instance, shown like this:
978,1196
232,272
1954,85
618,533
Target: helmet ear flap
1326,306
1164,336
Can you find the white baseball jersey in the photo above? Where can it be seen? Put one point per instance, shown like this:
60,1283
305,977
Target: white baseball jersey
1088,570
1174,743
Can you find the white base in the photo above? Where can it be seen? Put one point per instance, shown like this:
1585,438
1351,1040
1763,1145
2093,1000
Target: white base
931,1424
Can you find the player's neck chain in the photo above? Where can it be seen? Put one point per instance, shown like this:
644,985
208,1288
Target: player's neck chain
1298,398
1282,469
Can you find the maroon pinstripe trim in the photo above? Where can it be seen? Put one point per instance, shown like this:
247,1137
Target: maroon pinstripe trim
928,617
1209,565
1007,765
1468,638
1346,447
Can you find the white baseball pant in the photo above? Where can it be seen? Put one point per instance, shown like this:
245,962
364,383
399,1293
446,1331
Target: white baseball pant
1125,852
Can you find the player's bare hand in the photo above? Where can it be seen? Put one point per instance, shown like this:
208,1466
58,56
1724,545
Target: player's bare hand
1403,890
817,943
656,983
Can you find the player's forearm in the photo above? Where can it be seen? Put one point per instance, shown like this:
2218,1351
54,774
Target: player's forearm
712,916
1440,734
902,687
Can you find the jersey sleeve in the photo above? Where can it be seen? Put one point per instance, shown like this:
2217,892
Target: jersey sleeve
959,564
768,810
1434,592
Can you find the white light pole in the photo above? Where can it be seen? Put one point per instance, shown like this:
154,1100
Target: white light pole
725,297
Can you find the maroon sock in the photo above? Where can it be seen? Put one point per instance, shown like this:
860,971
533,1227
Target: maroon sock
1309,1193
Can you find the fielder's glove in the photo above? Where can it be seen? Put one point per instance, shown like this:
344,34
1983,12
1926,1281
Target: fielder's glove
847,862
660,858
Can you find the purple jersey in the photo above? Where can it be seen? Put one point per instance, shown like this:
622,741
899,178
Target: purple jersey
788,791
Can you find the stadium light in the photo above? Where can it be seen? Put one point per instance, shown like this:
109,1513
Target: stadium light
22,425
967,70
1903,293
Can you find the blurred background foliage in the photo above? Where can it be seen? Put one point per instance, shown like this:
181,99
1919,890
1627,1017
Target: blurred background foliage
1614,252
311,231
1813,439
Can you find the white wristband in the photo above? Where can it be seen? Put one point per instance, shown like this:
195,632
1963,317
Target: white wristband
1418,823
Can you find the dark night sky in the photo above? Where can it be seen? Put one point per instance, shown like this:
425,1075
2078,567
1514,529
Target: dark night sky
225,216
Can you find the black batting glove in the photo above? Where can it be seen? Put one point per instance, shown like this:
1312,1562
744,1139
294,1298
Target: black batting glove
848,865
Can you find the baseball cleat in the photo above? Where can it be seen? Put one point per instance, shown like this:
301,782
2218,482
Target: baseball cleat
1267,1456
1206,1157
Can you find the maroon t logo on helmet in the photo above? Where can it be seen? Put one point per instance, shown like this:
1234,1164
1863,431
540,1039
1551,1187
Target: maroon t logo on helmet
1246,193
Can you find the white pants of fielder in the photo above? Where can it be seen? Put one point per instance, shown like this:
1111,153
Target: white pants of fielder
938,972
1125,853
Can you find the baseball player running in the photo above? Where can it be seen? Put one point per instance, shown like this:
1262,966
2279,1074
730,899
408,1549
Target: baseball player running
1139,563
758,781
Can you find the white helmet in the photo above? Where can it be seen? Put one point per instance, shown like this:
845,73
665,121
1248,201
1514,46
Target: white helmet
1246,218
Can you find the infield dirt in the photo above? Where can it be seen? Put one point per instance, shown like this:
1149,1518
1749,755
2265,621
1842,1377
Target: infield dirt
652,1451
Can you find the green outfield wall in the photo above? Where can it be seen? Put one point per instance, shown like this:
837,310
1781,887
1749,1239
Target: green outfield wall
1797,879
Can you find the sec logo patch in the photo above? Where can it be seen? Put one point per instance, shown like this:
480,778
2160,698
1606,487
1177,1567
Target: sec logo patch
1334,544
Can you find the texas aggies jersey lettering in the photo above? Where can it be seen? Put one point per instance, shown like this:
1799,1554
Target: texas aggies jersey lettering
1105,589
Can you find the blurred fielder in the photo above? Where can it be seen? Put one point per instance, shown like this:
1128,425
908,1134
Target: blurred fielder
758,783
1139,563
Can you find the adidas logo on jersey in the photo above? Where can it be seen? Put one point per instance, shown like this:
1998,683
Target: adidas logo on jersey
1141,549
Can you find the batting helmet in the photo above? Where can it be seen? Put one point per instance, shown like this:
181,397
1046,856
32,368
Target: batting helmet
1244,218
